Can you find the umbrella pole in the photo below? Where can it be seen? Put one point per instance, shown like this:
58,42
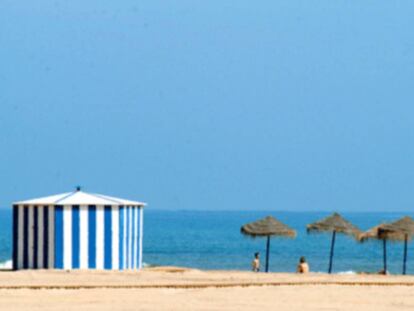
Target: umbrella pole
384,243
405,254
267,253
332,251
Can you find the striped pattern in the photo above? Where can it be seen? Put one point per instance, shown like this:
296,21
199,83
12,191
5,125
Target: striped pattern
77,237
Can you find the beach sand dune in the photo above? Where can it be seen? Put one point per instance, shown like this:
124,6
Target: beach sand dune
172,288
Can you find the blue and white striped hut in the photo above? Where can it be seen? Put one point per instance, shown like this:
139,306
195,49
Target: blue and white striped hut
77,230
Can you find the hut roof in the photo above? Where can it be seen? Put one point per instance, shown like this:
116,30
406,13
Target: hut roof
395,231
334,222
267,227
79,197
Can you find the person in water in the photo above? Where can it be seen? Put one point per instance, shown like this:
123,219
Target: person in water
303,266
256,263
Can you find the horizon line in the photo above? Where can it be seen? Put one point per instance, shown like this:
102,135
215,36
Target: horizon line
263,210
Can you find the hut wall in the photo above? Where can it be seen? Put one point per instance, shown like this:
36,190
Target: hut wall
77,237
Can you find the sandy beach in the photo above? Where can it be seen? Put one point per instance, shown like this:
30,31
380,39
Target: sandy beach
170,288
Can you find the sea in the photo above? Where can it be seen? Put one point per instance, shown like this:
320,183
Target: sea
212,240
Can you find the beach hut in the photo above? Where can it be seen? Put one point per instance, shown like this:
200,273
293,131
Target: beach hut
77,230
334,224
267,227
401,230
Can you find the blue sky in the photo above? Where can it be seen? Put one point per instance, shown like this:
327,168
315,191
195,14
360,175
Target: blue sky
271,105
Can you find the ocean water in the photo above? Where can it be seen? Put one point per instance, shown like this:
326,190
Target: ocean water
212,240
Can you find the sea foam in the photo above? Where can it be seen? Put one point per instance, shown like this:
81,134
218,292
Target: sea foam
5,265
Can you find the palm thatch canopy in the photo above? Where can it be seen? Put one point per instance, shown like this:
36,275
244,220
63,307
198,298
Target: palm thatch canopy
334,222
404,225
399,230
373,233
268,226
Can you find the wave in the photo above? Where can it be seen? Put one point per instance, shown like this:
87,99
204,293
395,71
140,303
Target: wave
347,272
6,265
350,272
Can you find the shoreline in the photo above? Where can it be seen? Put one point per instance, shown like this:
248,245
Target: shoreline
185,278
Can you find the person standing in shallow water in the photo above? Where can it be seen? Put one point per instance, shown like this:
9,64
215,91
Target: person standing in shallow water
256,263
303,266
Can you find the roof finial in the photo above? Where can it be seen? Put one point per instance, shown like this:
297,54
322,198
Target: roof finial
78,188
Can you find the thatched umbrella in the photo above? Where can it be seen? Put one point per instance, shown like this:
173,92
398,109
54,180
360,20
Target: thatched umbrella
378,233
267,227
406,226
334,224
400,230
